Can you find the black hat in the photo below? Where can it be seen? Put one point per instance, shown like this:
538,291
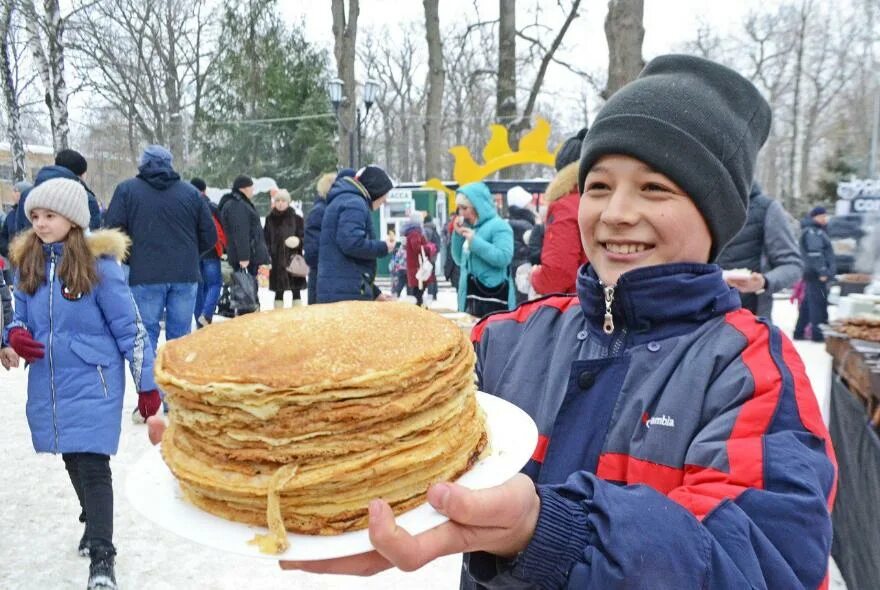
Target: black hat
375,180
199,184
818,210
696,121
570,150
72,160
241,182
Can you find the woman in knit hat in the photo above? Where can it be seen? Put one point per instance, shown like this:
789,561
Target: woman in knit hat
681,445
76,323
284,230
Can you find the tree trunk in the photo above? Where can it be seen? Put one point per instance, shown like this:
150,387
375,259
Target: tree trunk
172,92
10,96
345,38
793,192
436,81
625,33
51,64
505,98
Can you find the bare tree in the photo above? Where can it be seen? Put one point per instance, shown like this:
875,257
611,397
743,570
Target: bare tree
505,101
436,80
625,34
345,39
149,60
11,91
45,30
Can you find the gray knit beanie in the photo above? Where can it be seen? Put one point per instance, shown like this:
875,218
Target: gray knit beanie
696,121
63,196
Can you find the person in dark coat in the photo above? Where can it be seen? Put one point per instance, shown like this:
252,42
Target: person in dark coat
312,238
246,246
521,220
170,226
433,236
211,283
819,269
347,269
284,231
10,226
68,164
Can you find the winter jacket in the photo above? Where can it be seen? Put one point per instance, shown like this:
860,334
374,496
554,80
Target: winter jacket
5,307
433,236
536,243
8,230
817,252
211,253
683,450
490,253
244,234
766,244
312,238
280,226
521,221
75,391
347,266
169,223
416,243
561,252
48,173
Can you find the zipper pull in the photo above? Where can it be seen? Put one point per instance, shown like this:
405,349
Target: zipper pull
608,326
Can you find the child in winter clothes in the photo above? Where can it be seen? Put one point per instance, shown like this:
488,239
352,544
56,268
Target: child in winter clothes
75,322
681,444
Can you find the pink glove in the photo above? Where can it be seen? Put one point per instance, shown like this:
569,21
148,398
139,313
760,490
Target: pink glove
25,346
149,403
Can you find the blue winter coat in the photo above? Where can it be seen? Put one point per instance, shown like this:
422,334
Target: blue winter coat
685,449
48,173
348,252
75,391
169,223
490,253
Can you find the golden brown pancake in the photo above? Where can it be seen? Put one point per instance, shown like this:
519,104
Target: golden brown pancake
298,418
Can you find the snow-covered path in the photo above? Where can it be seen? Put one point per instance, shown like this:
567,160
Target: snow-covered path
39,530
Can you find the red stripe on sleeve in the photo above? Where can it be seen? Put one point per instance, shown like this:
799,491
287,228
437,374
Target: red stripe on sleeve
630,470
523,312
808,407
541,448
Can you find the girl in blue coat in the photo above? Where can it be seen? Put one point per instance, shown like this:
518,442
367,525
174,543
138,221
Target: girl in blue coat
75,322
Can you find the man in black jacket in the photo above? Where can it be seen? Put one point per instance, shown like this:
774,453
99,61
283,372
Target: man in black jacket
819,269
245,242
170,227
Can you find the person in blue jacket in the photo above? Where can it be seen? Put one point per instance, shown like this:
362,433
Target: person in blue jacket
312,238
681,445
348,250
482,246
68,164
76,323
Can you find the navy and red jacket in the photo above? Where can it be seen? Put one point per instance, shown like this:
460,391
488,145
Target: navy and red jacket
684,449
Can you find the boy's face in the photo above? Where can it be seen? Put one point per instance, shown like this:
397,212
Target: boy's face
631,216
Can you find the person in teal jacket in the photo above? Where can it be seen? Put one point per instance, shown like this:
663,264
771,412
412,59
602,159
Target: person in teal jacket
482,246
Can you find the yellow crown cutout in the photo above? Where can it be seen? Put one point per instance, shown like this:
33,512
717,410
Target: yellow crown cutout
497,155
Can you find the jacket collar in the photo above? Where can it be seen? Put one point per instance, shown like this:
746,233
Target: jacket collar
656,302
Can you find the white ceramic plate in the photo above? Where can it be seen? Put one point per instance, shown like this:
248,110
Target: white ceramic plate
512,439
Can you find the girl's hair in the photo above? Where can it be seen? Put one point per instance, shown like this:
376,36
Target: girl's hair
78,270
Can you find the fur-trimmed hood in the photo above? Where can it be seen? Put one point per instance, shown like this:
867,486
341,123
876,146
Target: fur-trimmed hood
564,182
104,242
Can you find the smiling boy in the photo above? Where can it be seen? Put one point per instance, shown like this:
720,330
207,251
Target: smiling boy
681,444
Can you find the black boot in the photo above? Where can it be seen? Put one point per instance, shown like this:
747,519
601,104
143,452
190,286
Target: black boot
102,575
83,549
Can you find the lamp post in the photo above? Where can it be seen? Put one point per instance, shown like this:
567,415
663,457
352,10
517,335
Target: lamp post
335,90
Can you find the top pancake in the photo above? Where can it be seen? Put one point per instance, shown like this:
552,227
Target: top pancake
320,347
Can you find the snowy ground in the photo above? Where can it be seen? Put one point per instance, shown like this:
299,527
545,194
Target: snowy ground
39,530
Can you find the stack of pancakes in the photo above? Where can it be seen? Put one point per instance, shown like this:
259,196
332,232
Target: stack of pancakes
303,416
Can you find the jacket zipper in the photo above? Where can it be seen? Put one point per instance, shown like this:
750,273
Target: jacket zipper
103,381
608,325
52,356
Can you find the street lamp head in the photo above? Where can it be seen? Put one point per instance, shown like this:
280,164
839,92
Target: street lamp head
334,91
371,89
